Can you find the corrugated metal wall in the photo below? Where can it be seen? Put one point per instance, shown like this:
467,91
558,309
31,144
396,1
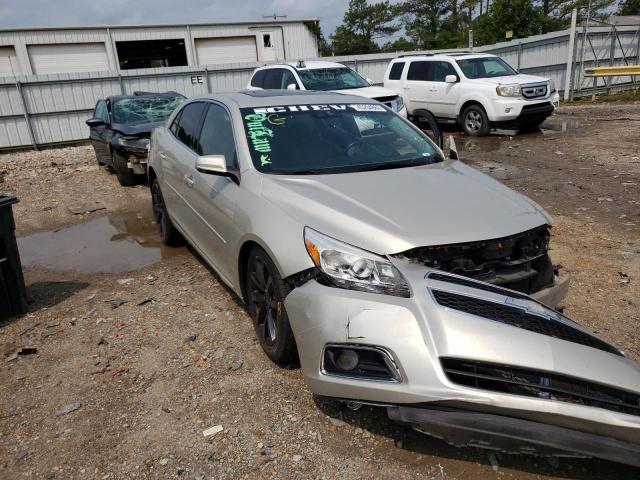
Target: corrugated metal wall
49,109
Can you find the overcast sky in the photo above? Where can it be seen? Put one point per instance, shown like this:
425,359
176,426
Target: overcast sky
30,13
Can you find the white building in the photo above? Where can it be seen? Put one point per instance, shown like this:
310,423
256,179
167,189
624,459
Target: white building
35,51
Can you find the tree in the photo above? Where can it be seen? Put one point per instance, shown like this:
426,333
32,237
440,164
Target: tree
629,7
422,20
362,24
519,16
399,45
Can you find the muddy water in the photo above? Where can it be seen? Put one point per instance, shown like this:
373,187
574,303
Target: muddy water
117,242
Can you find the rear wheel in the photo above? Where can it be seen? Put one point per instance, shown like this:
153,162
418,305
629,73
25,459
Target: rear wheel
474,121
125,175
266,292
168,233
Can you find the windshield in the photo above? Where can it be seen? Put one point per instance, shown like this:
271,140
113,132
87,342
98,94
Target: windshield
316,139
486,67
331,79
134,111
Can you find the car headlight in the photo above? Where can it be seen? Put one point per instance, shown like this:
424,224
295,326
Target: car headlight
511,90
397,104
552,86
134,143
349,267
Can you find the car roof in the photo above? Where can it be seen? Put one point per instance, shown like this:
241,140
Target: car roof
308,65
265,98
442,56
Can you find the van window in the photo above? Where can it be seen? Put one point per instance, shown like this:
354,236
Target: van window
420,71
396,71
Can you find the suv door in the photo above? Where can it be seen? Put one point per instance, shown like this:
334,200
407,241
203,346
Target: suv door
98,135
416,87
178,158
442,96
214,196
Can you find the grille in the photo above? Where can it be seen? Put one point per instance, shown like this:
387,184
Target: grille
388,101
465,282
517,317
539,384
534,91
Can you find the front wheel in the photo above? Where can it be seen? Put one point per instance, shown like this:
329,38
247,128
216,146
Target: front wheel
125,175
266,292
474,121
168,233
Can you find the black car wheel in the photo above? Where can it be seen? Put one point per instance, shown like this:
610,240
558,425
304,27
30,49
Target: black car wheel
474,121
125,175
168,233
266,292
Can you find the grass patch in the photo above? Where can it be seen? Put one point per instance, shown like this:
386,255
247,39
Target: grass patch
627,96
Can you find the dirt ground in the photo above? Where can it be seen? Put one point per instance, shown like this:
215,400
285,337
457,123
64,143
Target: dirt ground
140,348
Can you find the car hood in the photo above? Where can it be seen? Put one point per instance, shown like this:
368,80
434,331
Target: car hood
521,78
138,130
369,92
390,211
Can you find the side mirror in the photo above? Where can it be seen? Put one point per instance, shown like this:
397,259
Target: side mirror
214,164
453,150
95,122
451,79
292,86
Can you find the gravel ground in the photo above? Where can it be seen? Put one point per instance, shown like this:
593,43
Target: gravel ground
134,363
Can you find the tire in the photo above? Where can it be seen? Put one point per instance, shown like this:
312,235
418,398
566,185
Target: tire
265,293
100,162
169,235
125,175
475,122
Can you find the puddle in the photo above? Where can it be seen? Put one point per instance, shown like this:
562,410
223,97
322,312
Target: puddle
555,125
118,242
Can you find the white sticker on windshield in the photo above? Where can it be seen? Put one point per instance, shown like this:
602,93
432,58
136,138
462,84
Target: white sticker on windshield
367,107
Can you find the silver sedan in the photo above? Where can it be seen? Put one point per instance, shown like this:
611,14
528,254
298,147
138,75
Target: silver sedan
400,277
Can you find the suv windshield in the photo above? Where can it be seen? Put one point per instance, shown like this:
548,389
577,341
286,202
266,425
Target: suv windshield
134,111
336,138
331,79
485,67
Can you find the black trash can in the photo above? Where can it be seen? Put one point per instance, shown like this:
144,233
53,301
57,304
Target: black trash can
13,295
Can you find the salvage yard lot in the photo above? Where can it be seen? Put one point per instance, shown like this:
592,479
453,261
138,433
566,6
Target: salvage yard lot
132,366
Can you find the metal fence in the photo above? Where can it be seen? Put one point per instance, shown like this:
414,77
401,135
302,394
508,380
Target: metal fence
51,109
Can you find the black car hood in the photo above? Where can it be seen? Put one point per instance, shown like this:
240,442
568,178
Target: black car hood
139,130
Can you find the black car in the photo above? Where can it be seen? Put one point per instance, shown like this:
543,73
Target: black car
121,127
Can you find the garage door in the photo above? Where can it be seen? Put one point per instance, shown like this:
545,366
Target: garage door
70,57
226,50
8,62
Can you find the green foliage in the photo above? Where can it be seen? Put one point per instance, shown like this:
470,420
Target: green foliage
519,16
399,45
363,23
629,7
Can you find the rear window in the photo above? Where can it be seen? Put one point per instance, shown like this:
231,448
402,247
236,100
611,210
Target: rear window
396,71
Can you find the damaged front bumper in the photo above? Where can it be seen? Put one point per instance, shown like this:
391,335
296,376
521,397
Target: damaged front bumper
466,322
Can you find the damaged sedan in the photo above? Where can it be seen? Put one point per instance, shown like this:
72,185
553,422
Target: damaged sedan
121,126
398,276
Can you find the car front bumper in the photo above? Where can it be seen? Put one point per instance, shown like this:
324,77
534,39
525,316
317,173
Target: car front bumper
517,112
417,333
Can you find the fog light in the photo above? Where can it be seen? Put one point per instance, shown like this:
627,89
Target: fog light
507,110
347,360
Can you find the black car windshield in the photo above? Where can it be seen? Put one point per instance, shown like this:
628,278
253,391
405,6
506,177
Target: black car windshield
331,79
335,138
147,109
486,67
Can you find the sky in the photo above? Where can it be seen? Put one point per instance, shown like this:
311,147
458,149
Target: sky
30,13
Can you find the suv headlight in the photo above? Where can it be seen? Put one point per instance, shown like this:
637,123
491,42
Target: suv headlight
511,90
349,267
398,103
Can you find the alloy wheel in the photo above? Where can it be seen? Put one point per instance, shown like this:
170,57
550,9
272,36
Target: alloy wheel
473,121
263,300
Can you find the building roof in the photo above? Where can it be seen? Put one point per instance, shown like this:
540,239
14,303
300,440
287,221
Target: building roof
260,22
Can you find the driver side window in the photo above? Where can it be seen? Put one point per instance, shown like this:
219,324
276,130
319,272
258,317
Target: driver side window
216,136
101,111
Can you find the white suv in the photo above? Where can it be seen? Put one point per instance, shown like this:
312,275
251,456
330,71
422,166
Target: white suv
323,76
477,91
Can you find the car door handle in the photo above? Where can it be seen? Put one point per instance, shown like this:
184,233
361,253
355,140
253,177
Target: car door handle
406,87
189,180
162,155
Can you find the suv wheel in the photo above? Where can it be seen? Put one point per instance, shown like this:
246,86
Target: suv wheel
474,121
125,175
168,233
266,292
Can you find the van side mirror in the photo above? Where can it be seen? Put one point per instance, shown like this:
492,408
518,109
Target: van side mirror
292,86
95,122
451,79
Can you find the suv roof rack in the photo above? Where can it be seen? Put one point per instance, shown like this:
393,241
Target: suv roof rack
416,55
